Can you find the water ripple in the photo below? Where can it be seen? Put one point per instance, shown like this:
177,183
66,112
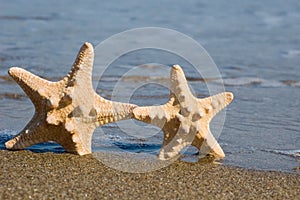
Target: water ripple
23,18
289,152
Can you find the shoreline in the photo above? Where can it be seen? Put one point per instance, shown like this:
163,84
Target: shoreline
49,175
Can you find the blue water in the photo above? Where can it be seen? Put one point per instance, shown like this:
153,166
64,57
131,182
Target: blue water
256,46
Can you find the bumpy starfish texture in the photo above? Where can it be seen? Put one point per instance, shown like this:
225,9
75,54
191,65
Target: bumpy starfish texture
67,111
185,119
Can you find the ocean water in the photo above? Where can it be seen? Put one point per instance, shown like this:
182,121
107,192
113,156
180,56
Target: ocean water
256,46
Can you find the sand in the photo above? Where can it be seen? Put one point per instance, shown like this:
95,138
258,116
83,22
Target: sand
27,175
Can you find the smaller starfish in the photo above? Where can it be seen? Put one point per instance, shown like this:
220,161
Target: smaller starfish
66,111
185,119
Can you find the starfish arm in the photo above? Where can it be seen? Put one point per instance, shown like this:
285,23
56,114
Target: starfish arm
81,72
150,114
214,104
78,83
182,90
207,144
80,140
179,85
178,142
32,134
157,115
111,111
35,87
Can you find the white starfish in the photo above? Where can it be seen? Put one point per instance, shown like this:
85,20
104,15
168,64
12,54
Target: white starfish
66,111
185,119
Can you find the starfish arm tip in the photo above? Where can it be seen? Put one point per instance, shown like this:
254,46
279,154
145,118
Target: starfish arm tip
14,72
14,144
9,144
86,52
83,62
33,85
218,152
177,67
229,96
87,45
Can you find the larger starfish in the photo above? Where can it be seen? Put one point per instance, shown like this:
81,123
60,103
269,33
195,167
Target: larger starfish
67,111
185,119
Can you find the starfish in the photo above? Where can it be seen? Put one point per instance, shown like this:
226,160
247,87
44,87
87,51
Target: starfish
67,111
185,119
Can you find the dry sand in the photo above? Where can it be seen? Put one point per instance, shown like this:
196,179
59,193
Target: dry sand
27,175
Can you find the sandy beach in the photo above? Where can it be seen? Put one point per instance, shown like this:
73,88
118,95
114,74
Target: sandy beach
27,175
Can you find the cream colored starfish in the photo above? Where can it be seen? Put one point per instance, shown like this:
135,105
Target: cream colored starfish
185,119
66,111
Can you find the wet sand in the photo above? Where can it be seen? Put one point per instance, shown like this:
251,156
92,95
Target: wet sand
27,175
